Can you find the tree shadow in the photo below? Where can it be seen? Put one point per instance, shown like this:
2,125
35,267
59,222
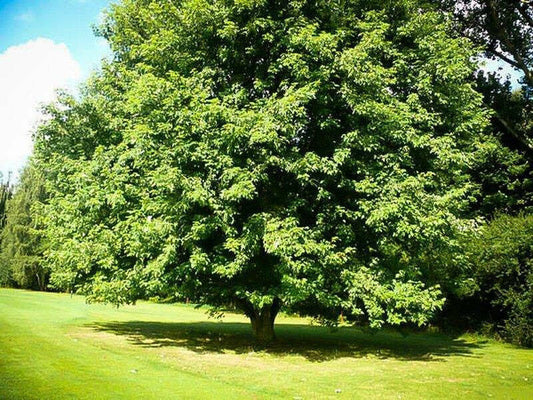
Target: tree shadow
315,343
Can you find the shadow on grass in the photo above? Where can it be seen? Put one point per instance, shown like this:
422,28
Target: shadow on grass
314,343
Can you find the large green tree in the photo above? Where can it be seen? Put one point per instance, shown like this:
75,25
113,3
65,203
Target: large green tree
311,155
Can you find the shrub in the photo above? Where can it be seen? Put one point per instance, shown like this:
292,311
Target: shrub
502,259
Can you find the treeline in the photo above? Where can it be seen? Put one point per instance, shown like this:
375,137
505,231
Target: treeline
342,159
21,240
5,195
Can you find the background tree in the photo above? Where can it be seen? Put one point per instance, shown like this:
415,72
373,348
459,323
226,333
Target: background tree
504,30
298,154
5,195
22,245
501,254
505,172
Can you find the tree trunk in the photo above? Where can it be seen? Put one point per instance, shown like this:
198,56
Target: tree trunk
263,326
42,282
263,321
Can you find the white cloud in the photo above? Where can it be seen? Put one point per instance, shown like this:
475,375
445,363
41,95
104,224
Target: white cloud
29,75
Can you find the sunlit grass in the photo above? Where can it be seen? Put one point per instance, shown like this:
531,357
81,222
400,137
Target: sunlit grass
54,346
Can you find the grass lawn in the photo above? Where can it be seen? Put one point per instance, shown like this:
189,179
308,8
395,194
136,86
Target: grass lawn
54,346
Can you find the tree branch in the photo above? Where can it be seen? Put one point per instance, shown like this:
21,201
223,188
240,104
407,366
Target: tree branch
523,12
502,56
502,35
246,307
523,142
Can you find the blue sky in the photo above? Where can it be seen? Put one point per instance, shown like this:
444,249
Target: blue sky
44,45
63,21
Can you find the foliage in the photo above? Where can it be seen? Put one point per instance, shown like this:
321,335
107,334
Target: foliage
309,155
22,245
6,192
504,171
502,259
504,29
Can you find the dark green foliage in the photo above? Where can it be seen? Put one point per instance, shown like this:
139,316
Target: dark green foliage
512,111
502,261
22,245
5,194
504,30
505,172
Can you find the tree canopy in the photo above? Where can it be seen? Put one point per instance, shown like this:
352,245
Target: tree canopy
311,155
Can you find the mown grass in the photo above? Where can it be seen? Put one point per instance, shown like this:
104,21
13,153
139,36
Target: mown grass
54,346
